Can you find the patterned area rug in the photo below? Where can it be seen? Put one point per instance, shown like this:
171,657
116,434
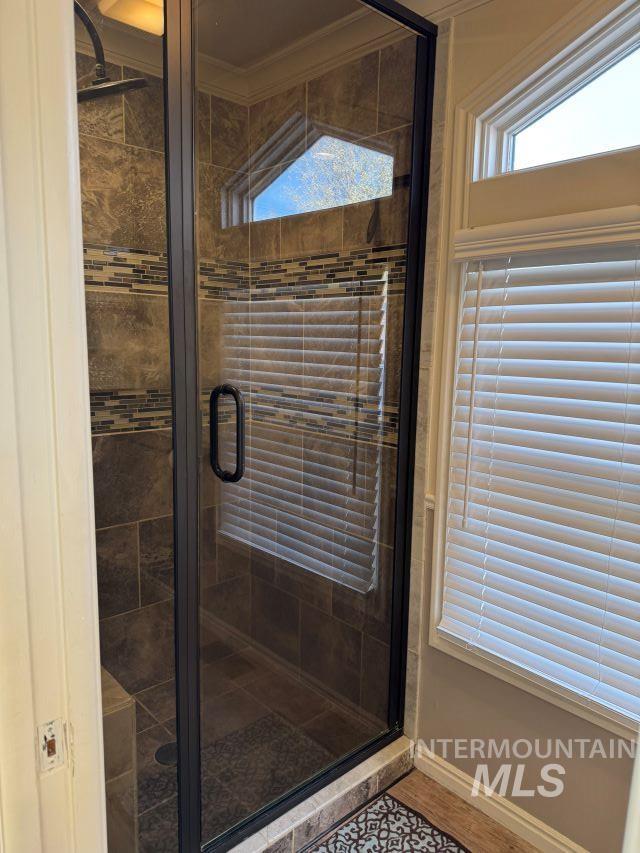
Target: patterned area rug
387,825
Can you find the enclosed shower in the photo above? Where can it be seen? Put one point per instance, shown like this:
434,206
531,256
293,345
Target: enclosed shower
254,198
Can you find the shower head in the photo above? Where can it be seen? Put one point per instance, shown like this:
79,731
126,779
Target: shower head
103,86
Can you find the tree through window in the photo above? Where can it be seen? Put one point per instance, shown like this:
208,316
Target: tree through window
331,173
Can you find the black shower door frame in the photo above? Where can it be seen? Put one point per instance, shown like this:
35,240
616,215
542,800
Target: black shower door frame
180,182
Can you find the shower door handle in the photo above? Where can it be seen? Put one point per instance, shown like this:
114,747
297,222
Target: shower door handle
231,391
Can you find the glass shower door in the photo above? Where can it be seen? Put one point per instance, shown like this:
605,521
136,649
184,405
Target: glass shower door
303,150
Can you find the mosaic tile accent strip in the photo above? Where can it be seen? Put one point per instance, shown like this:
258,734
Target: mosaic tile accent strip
125,269
332,274
340,419
228,280
130,411
353,272
387,824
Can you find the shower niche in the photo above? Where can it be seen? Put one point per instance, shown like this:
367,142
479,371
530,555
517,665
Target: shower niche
251,307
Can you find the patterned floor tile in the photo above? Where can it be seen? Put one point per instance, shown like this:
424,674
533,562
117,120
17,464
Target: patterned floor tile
387,825
158,829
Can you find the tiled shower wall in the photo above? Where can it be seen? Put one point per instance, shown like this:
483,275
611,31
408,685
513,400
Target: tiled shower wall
334,635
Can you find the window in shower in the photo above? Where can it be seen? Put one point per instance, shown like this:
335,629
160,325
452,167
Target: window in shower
332,172
307,170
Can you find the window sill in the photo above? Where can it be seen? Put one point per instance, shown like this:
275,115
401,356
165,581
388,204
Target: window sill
616,724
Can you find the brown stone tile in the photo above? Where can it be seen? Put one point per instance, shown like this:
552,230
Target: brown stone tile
288,697
117,558
239,669
216,645
229,134
339,733
159,700
397,76
149,741
330,651
114,696
382,222
128,341
303,584
211,330
262,564
232,559
368,611
156,542
132,476
158,827
218,237
120,803
144,112
118,729
148,201
388,494
265,239
104,117
230,602
394,339
374,695
320,231
144,720
209,483
275,620
208,548
344,101
105,178
274,118
156,559
137,648
398,144
203,124
227,713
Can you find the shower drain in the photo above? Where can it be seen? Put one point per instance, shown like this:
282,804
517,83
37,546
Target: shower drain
167,754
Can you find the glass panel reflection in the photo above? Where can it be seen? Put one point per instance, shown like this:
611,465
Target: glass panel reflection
303,158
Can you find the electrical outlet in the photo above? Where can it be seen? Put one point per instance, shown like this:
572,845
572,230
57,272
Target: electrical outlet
51,745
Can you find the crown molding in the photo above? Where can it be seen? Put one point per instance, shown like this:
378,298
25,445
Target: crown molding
437,11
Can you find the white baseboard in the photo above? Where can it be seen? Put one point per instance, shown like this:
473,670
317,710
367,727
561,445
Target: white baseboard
503,811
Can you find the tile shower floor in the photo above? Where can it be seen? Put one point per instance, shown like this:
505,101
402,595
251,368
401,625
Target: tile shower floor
263,732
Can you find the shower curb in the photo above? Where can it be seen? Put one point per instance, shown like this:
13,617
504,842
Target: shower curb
315,815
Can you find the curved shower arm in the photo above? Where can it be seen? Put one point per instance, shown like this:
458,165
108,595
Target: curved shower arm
101,68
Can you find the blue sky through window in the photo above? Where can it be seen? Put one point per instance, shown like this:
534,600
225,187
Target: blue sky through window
602,116
331,173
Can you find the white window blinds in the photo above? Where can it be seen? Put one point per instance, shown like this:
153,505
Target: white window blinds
542,557
312,371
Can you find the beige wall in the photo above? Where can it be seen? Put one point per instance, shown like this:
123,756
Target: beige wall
453,699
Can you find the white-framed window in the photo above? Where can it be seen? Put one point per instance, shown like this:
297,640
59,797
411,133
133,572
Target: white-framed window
592,120
533,468
540,546
546,117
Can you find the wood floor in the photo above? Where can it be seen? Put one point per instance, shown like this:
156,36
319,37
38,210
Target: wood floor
446,811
